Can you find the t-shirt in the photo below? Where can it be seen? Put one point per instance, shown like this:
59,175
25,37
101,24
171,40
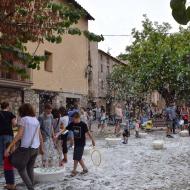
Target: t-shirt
170,113
31,137
79,130
46,125
7,164
6,123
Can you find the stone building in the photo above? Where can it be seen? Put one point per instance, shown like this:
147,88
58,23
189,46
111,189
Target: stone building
62,79
102,65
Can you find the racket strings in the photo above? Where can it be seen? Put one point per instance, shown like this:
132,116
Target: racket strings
96,157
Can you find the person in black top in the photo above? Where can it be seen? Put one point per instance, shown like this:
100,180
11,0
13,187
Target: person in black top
7,122
80,130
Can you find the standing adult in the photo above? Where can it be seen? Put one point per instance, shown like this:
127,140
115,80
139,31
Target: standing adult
103,119
171,116
7,122
46,125
30,136
118,118
98,115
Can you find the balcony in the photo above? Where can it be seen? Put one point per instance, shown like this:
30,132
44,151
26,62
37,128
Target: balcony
9,79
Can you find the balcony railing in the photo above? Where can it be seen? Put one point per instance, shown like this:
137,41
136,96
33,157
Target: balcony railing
14,80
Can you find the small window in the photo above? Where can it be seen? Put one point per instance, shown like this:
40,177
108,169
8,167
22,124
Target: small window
108,67
108,60
48,64
101,57
102,84
102,68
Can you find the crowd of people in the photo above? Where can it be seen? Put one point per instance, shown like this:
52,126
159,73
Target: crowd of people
50,134
56,130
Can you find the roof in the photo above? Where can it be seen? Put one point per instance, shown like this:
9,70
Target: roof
75,3
113,58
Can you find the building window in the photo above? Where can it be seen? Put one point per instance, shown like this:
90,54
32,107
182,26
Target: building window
108,67
48,64
108,60
101,57
102,68
102,84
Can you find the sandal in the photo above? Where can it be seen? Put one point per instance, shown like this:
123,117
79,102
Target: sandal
9,188
63,162
74,173
85,171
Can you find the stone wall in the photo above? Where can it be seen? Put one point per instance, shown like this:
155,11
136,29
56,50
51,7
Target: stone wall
18,96
59,100
30,96
13,96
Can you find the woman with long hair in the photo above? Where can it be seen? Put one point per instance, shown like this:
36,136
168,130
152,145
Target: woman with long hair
29,135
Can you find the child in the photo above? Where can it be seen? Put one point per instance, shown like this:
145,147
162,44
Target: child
137,128
9,172
80,130
126,133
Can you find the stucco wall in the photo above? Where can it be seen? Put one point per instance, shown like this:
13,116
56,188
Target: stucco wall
95,69
70,59
107,67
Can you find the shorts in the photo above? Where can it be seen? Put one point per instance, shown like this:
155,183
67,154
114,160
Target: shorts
70,135
78,153
126,133
170,124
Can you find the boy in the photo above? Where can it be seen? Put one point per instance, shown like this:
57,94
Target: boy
8,173
80,130
46,126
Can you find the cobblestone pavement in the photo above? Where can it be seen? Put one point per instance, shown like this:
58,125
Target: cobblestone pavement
135,166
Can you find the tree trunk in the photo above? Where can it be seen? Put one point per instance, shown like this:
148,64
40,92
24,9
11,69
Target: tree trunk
169,96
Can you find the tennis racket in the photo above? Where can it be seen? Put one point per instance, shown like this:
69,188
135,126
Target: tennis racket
96,157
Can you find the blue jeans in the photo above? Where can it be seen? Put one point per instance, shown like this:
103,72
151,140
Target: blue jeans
4,139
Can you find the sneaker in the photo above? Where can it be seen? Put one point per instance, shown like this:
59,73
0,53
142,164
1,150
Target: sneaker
124,142
169,136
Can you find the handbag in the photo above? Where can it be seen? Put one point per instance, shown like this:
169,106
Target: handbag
20,156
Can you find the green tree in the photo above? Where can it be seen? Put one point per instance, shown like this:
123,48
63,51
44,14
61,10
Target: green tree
23,21
157,60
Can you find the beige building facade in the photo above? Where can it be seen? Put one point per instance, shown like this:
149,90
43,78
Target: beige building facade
61,80
102,67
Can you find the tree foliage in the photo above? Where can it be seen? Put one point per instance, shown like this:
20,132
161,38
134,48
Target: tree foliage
23,21
157,60
180,11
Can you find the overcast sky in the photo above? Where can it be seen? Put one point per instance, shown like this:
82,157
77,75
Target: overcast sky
119,17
